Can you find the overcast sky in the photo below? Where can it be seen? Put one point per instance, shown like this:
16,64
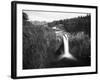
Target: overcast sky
50,16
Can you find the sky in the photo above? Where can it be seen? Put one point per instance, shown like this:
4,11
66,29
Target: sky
51,16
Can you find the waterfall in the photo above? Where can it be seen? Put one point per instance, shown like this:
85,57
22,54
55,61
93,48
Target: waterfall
66,53
64,35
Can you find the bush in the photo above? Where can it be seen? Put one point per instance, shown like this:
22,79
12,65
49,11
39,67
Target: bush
79,44
39,44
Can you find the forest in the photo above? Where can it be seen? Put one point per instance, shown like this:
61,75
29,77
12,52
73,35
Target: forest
73,25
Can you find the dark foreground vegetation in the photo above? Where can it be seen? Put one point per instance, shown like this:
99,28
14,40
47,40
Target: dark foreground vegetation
41,49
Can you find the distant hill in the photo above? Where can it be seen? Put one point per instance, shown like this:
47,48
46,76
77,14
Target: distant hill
38,22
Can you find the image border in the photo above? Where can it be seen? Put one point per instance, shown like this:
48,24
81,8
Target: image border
14,38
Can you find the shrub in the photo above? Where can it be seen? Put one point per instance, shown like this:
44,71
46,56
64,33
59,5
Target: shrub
39,44
79,44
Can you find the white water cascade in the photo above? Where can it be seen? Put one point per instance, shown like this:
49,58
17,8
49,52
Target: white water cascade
66,53
64,35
